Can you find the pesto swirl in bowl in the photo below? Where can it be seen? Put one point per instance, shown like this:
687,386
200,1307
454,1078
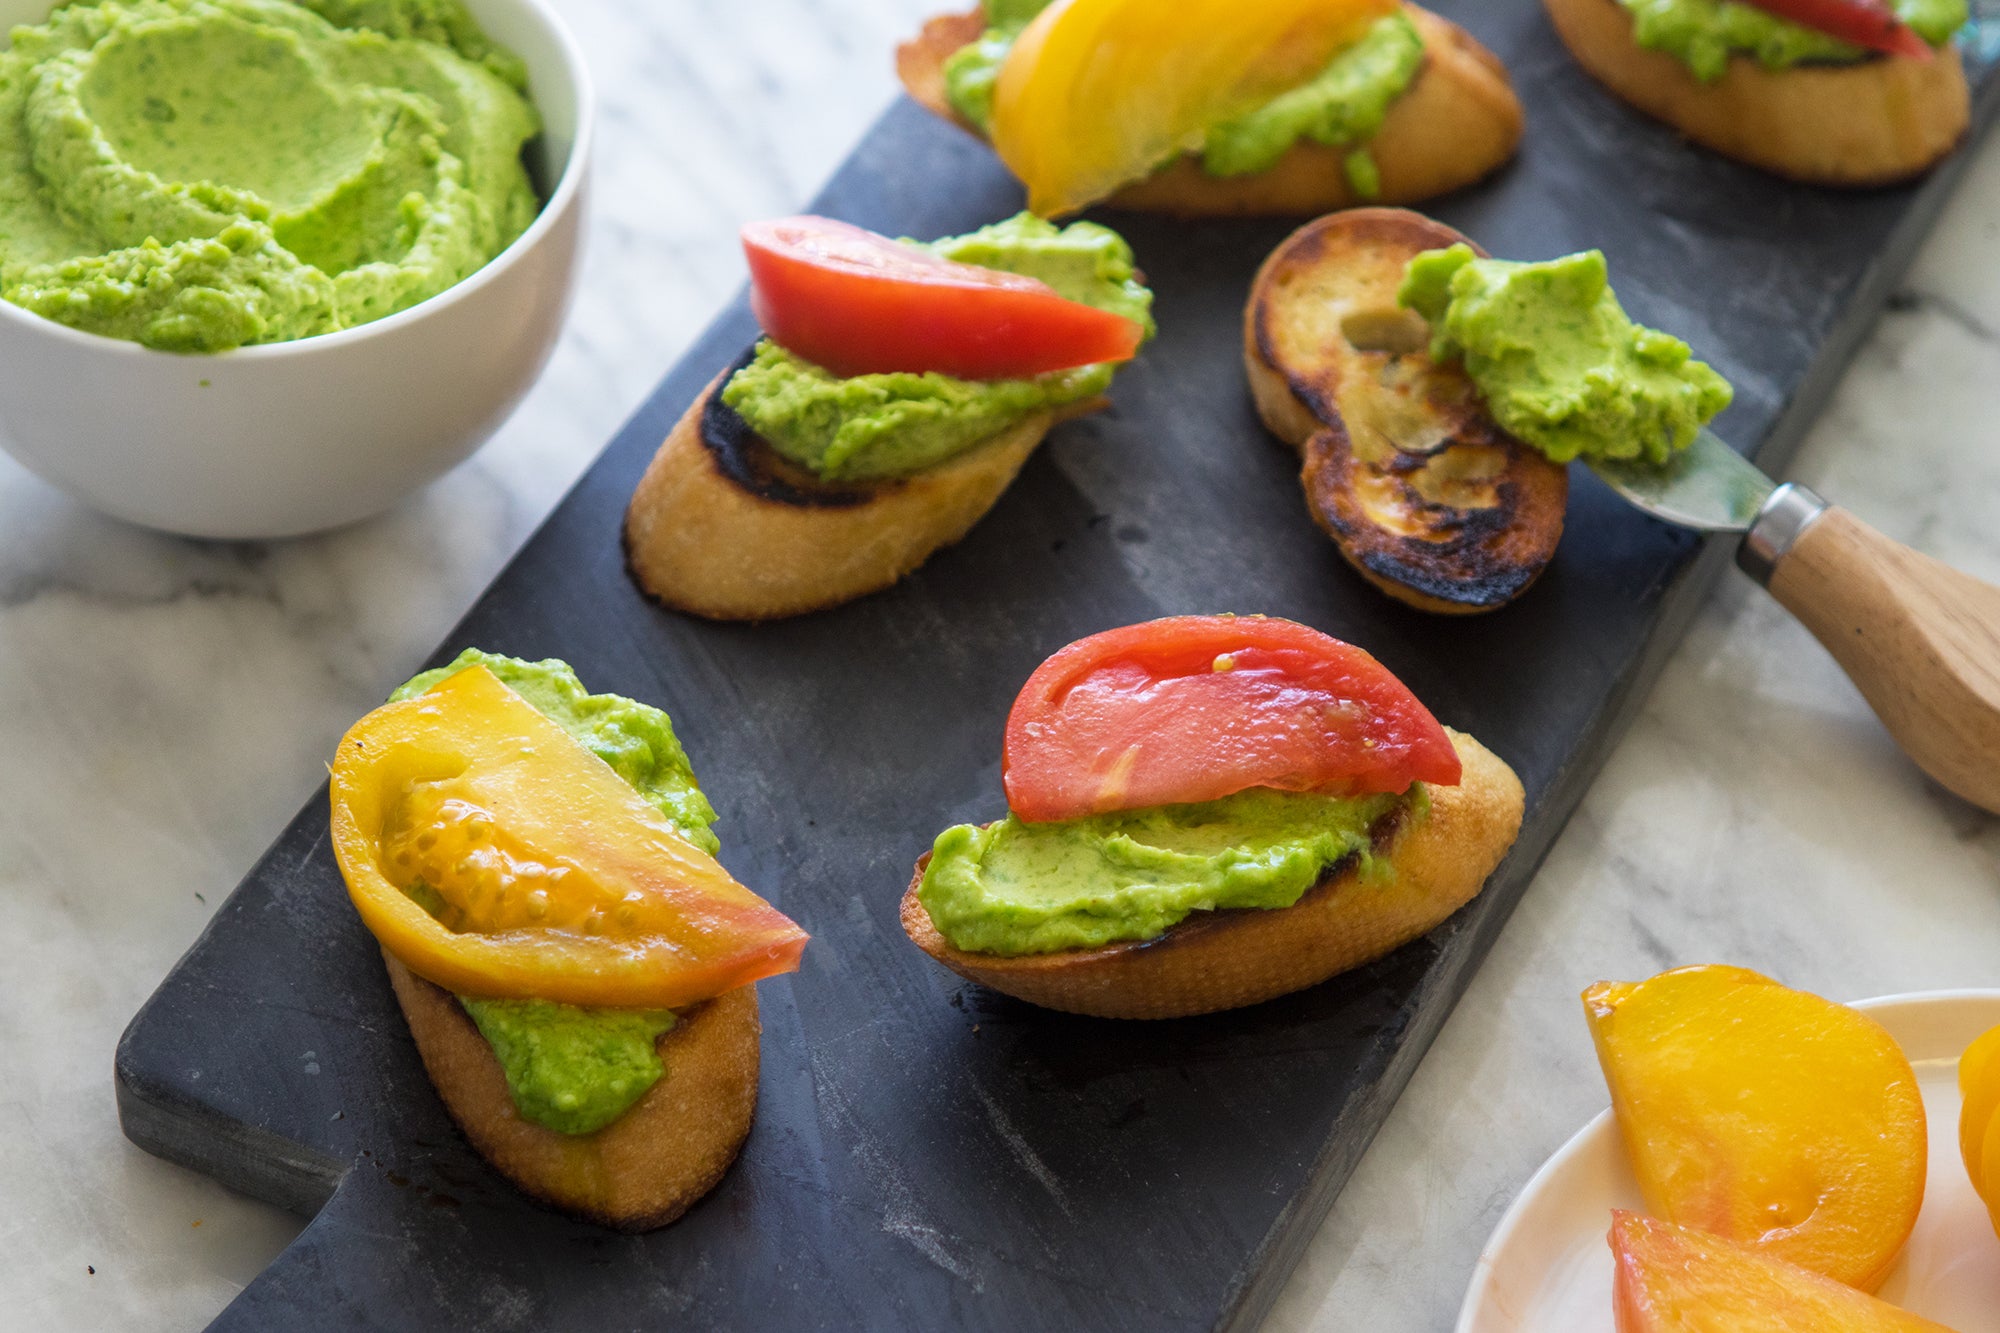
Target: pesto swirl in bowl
199,175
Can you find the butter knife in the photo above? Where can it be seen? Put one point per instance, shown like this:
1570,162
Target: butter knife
1920,639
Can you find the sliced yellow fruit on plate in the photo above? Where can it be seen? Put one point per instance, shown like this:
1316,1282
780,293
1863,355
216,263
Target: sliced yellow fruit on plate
1979,1088
1096,94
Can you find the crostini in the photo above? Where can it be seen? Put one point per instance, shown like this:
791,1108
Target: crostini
1830,92
575,967
1208,812
1384,103
898,390
1436,394
1423,493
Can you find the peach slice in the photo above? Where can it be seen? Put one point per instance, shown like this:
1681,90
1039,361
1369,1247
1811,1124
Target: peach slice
1979,1118
1765,1115
1672,1279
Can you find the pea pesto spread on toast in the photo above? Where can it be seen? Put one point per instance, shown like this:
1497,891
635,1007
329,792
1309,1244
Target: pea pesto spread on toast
1560,364
894,424
1013,888
1705,34
572,1068
1343,106
198,175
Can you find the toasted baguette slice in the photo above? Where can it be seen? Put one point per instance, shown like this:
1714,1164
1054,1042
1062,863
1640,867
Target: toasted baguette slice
642,1170
1422,491
1458,121
722,526
1877,122
1227,959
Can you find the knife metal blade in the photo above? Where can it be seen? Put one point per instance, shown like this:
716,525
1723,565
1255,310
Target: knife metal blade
1707,486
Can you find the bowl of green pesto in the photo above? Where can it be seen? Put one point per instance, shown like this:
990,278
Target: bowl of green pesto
267,266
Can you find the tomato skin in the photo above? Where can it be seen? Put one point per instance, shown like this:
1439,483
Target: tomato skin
857,303
1195,708
1869,23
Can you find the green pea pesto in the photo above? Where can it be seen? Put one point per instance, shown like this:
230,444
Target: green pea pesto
872,427
1561,365
571,1069
1015,888
1705,34
1343,105
197,175
568,1068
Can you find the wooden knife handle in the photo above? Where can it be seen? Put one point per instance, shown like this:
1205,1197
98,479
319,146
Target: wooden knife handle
1921,640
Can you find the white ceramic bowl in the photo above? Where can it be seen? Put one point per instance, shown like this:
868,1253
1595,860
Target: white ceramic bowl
288,438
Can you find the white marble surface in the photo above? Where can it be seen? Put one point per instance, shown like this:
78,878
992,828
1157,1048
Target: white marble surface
165,706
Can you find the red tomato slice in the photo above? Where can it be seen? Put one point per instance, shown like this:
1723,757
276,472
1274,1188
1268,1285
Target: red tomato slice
1869,23
858,303
1195,708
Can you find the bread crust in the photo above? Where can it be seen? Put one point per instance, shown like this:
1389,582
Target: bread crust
701,540
1878,122
1226,959
1402,465
642,1170
1458,121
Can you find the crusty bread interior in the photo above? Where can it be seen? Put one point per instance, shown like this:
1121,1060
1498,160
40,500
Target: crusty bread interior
642,1170
1223,960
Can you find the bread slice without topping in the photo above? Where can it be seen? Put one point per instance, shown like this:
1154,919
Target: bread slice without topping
724,527
1458,121
1403,466
1226,959
1875,122
642,1170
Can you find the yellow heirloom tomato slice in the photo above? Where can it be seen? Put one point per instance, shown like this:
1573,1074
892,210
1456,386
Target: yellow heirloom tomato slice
494,855
1095,94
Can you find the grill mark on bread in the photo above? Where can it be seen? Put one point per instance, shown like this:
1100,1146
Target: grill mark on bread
745,458
1462,558
1421,548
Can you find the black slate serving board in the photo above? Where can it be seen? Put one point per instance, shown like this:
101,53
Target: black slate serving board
928,1154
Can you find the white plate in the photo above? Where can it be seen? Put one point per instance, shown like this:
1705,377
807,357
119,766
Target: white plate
1547,1268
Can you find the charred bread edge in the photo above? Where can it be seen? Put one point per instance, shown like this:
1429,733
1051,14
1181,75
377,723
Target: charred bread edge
765,566
1323,442
746,458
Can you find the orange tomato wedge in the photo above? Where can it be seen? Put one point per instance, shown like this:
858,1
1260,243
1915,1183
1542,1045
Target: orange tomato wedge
1767,1115
551,878
1676,1279
1979,1118
1096,94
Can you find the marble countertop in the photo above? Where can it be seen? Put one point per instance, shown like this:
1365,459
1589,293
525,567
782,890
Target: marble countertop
166,705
